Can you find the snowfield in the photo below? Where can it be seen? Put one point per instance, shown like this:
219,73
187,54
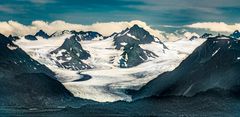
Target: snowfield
108,81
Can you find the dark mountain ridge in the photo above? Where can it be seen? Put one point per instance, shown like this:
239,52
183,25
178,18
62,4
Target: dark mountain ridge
214,64
24,81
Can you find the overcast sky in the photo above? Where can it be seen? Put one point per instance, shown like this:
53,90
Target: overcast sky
154,12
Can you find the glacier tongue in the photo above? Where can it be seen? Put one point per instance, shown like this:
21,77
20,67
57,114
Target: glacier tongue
108,82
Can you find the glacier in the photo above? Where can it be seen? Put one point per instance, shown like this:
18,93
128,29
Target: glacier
108,81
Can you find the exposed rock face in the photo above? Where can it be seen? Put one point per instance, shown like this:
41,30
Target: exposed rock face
134,35
24,81
42,34
30,37
13,38
193,38
12,54
214,64
83,36
236,34
206,35
134,55
87,36
71,54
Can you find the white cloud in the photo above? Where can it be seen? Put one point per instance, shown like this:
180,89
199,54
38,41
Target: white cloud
13,27
216,26
7,9
39,1
189,35
183,34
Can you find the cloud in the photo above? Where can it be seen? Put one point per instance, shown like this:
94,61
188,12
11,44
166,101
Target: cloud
38,1
6,9
170,26
215,26
42,1
107,28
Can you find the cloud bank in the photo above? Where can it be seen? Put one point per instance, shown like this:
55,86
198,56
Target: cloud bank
16,28
216,26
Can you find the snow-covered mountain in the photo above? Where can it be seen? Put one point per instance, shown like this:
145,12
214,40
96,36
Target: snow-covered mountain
70,54
40,34
133,35
134,55
60,33
89,35
130,41
145,57
214,64
25,81
127,65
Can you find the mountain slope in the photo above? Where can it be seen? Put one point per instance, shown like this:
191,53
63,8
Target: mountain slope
12,54
70,54
134,55
214,64
130,41
24,81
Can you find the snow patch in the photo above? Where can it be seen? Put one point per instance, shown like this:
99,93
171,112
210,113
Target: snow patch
11,47
132,36
216,52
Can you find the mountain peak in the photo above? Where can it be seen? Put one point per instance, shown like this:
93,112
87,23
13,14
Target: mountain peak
4,40
70,54
136,27
206,35
13,38
41,31
43,34
236,31
71,42
235,34
73,46
88,35
141,33
135,34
